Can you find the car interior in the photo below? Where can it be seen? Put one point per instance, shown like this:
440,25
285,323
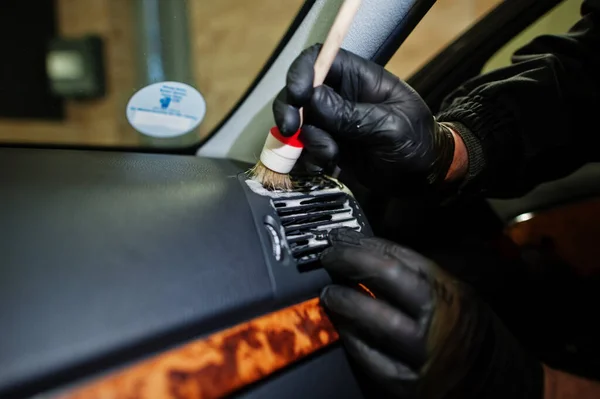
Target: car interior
111,255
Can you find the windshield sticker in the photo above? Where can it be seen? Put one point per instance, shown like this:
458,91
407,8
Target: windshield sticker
166,109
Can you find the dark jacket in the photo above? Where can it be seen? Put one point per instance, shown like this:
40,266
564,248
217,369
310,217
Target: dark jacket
537,119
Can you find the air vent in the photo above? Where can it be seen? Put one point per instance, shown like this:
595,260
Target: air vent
307,219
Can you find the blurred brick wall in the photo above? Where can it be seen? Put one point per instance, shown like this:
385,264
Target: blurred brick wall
98,121
445,21
230,43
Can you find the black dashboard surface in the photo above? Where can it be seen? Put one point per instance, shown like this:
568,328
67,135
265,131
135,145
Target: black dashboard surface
103,252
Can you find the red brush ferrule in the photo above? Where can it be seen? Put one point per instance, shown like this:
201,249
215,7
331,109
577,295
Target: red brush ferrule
293,140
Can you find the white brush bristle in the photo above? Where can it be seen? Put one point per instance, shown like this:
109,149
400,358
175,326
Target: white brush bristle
269,179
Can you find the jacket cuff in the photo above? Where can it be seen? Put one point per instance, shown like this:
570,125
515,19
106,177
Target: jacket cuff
475,158
483,125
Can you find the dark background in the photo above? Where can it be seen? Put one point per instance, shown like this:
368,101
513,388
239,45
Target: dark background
26,28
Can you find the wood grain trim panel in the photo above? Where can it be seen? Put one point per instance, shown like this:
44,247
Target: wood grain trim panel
571,230
222,363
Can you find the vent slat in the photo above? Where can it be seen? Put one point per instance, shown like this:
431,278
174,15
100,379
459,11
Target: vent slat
304,249
300,227
314,217
299,238
287,217
312,199
311,207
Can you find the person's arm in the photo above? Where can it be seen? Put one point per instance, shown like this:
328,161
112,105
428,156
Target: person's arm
560,385
535,120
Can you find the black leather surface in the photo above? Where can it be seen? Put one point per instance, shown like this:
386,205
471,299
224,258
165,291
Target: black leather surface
101,252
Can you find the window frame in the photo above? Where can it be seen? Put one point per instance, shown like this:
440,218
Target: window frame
466,55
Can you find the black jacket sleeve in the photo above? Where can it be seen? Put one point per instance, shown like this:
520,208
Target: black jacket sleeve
537,119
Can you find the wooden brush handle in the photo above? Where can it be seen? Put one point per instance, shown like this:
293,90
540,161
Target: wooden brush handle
333,42
334,39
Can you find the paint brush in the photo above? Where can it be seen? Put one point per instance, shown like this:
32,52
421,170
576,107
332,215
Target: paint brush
280,153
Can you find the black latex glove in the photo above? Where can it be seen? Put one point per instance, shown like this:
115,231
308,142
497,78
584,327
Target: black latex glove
424,335
367,120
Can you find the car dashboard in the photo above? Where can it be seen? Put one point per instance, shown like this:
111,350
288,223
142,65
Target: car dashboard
107,258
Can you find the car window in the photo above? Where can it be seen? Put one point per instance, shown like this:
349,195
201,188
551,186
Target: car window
54,61
556,21
444,22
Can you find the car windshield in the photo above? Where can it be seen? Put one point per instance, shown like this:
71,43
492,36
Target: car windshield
71,67
85,72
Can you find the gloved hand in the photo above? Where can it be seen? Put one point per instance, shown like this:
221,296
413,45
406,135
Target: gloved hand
367,120
423,334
